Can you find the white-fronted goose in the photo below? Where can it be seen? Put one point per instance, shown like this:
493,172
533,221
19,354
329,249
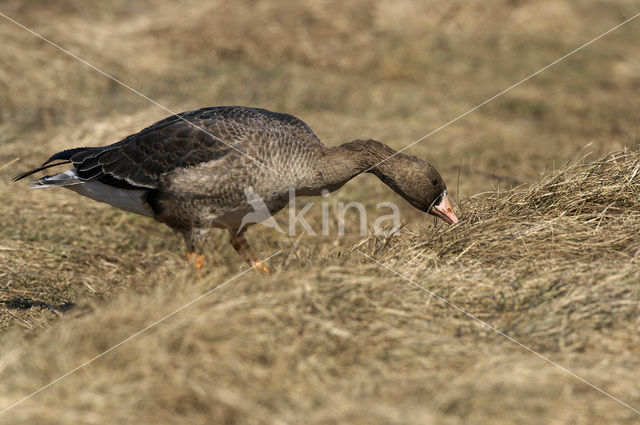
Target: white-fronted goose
192,171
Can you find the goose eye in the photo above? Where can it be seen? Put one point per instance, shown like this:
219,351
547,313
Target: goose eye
434,182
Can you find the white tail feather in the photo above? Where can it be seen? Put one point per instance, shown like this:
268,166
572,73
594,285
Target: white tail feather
67,178
128,200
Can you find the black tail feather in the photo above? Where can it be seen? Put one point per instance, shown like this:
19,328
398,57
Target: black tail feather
65,155
28,173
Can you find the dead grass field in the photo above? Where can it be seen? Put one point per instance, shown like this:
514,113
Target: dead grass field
546,177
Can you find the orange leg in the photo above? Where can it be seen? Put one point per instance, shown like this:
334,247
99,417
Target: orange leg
193,240
196,259
242,247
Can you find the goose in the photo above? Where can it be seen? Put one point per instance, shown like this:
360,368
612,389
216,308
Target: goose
193,170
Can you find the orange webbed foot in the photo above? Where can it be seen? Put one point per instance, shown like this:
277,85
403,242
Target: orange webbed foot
260,267
196,259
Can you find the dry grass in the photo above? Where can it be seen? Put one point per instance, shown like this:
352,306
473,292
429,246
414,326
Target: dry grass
332,337
555,267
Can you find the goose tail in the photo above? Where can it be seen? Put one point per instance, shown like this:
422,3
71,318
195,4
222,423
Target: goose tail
68,178
63,157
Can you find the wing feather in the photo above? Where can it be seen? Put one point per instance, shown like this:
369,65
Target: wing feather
182,141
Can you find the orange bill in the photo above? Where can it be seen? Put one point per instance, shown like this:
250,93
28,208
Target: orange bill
444,211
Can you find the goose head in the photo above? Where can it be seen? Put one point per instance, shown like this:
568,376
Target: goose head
419,183
413,178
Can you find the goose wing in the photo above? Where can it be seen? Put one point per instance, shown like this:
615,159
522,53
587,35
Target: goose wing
181,141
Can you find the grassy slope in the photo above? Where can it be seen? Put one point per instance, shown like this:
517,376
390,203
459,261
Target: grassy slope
332,337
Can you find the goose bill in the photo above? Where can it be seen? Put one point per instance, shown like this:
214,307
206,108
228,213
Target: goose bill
444,211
